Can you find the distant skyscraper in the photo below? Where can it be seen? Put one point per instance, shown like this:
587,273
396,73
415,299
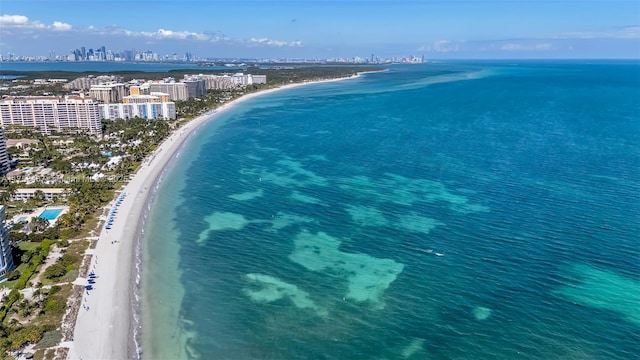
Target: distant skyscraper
129,55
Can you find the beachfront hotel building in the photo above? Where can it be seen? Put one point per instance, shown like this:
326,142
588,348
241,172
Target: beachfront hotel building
176,90
108,93
145,110
225,82
6,261
4,155
195,87
86,82
217,82
241,79
52,113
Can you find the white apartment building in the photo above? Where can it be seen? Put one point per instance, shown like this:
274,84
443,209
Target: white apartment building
224,82
52,113
4,155
6,261
241,79
49,194
147,110
214,82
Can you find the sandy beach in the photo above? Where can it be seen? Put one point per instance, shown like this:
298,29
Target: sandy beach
104,326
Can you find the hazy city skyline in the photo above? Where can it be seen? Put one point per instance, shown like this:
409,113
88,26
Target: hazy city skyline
310,29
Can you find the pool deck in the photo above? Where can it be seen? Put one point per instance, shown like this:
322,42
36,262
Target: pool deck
37,211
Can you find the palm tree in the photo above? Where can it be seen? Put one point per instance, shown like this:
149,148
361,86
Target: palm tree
38,194
5,197
39,224
9,190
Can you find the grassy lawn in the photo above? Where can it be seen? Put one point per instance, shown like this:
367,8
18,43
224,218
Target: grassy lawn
28,245
11,284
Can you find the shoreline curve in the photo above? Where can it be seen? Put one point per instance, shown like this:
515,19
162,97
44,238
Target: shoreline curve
105,328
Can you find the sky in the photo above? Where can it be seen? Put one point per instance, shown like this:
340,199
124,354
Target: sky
452,29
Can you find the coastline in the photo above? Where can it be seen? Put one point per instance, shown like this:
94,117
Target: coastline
105,327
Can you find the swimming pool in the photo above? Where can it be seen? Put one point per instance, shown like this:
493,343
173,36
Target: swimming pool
50,214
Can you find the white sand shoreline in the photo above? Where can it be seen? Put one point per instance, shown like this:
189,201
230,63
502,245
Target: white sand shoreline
104,326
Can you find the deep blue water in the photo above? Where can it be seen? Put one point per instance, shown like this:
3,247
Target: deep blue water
443,211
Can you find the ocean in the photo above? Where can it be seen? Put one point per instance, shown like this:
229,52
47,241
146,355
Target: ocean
454,210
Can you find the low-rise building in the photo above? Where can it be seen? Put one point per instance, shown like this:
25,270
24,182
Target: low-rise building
48,194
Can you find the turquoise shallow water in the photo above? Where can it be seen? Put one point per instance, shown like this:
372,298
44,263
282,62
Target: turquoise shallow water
457,210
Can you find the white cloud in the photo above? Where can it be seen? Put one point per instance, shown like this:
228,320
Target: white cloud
163,34
441,46
22,23
623,32
60,26
525,47
19,21
13,20
169,34
276,43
